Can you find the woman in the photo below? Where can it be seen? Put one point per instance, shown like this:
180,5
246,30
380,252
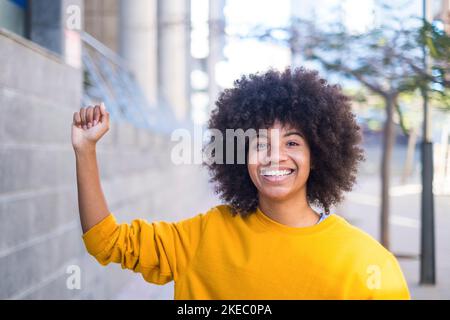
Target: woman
266,241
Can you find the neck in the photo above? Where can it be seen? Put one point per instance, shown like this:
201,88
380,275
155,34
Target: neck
294,212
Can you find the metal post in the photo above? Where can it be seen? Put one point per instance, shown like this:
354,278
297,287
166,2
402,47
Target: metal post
427,257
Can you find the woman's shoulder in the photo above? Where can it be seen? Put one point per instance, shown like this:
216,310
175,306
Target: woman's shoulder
221,212
374,266
218,212
354,239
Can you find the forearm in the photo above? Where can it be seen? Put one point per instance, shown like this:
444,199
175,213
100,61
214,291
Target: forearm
91,200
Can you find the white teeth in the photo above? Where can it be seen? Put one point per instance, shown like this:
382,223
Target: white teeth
275,172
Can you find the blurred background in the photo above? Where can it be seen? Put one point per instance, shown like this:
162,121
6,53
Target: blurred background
159,65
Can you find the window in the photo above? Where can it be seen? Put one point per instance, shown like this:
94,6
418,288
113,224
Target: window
13,15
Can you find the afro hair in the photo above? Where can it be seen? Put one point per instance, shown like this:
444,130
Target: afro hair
302,99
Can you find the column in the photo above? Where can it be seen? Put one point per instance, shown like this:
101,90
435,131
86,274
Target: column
174,56
138,43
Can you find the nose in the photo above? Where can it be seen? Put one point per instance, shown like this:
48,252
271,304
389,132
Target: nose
275,155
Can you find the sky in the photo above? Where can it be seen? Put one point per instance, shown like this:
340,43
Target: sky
249,55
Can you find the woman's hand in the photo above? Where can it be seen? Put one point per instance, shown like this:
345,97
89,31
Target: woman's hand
89,125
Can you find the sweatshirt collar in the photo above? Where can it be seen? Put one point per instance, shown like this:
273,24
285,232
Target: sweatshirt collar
279,227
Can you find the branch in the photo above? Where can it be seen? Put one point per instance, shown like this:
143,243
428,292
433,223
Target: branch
373,87
423,73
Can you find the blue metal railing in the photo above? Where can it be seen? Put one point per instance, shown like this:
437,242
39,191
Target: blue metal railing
109,79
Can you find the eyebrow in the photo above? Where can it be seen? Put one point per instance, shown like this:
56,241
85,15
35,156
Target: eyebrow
291,133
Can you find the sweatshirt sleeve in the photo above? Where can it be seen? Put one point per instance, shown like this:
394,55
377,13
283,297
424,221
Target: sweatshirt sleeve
160,251
392,284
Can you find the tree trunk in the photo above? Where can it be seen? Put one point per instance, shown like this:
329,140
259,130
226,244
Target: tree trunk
407,169
388,144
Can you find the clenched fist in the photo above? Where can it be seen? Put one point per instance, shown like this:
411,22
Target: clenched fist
89,125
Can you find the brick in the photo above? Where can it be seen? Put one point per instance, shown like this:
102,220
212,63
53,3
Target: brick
35,216
24,169
30,266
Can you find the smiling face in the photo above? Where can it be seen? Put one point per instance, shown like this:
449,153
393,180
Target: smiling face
279,163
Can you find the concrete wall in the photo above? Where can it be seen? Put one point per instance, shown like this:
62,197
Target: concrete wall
40,235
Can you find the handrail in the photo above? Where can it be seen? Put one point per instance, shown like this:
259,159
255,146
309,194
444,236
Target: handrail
114,83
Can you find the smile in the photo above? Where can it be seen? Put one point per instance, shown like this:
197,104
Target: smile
273,175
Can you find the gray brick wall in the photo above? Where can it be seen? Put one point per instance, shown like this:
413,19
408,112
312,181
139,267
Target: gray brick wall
40,235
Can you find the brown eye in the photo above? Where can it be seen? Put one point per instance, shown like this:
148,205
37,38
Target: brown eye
292,144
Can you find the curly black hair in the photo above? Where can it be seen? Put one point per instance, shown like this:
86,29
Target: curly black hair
302,99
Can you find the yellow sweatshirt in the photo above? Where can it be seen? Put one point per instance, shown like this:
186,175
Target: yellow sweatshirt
220,256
